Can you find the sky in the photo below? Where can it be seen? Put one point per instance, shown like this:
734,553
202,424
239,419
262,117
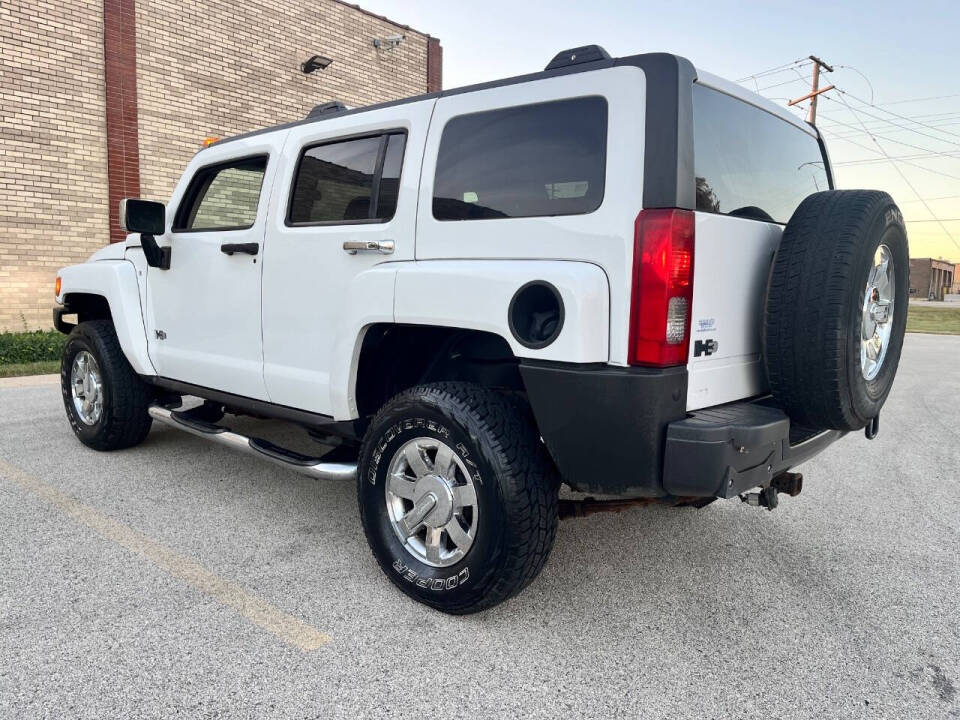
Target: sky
907,51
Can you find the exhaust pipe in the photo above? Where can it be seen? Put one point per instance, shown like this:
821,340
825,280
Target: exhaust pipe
303,464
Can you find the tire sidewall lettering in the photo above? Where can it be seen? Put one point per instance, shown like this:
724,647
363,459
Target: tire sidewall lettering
422,577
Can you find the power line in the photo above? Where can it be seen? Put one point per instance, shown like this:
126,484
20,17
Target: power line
904,162
941,197
786,82
778,68
920,156
865,78
923,99
900,172
934,120
882,137
897,115
853,133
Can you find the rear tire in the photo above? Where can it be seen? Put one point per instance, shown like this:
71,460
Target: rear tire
841,254
497,460
107,409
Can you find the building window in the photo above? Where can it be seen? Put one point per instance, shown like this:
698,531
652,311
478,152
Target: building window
348,181
532,160
222,197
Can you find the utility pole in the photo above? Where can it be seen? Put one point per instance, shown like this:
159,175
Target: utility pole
815,89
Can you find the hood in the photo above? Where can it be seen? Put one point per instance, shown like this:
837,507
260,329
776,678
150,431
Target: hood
113,251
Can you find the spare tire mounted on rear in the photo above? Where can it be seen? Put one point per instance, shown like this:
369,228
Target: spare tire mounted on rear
836,308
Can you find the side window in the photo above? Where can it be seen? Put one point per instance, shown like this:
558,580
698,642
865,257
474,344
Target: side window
542,159
222,197
750,163
348,181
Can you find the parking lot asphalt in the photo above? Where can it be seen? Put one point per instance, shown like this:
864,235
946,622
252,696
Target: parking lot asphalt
178,579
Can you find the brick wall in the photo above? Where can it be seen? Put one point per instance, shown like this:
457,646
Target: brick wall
53,171
219,67
203,68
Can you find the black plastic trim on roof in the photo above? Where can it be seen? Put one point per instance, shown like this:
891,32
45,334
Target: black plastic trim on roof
668,155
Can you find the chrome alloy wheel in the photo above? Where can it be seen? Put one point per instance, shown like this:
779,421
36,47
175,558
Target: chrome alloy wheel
431,502
86,382
877,323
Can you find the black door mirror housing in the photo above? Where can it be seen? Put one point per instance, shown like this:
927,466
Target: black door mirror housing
142,216
147,218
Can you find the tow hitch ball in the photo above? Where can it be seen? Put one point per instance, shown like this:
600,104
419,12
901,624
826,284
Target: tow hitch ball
789,483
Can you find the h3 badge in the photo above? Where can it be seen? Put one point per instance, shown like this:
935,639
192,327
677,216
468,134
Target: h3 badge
704,347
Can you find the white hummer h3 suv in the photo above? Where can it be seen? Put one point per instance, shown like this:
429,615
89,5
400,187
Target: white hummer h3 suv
626,275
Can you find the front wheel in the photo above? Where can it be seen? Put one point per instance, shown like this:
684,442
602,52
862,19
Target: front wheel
457,496
105,400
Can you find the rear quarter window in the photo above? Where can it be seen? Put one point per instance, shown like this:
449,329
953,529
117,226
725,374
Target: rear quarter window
530,160
750,163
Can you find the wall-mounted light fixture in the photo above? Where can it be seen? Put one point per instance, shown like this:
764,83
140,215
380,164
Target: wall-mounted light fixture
317,62
389,42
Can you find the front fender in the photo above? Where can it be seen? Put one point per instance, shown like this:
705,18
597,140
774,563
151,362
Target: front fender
116,281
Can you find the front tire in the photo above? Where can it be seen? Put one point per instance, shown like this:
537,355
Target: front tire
457,496
105,400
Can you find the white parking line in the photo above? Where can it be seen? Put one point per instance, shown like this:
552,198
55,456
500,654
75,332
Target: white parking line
30,381
262,614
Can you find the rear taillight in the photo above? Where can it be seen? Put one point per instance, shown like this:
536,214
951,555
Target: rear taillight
662,292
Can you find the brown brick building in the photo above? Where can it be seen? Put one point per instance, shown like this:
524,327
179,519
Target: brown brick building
931,278
105,99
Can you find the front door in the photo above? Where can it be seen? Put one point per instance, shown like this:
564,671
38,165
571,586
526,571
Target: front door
204,311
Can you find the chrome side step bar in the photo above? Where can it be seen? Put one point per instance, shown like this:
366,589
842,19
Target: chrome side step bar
314,467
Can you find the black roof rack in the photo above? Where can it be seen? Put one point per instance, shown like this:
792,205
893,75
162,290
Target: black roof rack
577,56
326,108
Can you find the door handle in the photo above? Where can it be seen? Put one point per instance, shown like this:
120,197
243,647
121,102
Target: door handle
384,247
245,248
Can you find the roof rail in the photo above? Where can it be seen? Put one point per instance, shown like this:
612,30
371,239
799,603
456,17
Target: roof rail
577,56
326,108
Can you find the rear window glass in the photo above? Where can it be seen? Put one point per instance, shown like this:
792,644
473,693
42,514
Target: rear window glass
338,182
543,159
749,163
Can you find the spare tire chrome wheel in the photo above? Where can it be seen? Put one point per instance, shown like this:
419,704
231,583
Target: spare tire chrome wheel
878,305
836,309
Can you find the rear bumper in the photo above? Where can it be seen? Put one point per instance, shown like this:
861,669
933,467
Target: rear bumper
724,451
626,431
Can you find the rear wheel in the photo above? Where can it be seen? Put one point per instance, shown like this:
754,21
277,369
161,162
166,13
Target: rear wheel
836,309
105,400
457,496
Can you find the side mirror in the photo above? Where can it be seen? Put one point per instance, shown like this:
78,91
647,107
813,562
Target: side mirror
147,218
142,216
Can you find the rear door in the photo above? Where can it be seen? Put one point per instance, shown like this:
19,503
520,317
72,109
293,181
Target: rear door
344,205
752,169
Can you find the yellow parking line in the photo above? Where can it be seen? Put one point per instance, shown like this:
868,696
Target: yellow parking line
262,614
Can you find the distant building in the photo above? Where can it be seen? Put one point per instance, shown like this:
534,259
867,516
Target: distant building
104,99
930,278
955,290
